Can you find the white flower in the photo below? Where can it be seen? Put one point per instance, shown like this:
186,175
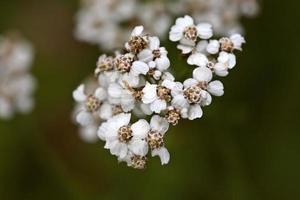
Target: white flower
185,29
205,30
118,95
237,41
120,137
108,77
158,127
196,93
155,53
213,47
89,104
138,41
158,96
198,59
130,69
225,62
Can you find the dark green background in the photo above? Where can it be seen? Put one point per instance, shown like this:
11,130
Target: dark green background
246,147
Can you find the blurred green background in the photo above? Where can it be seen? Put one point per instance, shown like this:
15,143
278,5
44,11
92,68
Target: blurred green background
246,147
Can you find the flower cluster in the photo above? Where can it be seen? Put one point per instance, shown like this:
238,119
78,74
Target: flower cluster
106,22
16,82
136,84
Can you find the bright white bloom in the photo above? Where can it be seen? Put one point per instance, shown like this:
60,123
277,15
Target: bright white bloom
213,47
158,96
225,62
185,29
198,59
122,137
158,127
90,105
155,53
197,92
237,41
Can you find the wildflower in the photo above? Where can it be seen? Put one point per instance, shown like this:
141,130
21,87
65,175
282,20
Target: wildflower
89,104
122,137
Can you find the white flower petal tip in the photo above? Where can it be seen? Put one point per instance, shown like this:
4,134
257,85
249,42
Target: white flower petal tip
163,154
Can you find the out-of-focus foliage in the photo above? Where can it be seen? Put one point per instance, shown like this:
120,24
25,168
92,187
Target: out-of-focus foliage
246,146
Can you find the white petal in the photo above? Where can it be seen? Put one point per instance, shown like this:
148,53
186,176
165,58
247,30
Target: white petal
201,46
205,98
106,111
159,124
213,47
185,49
129,78
139,67
186,21
179,102
190,82
137,31
100,93
237,41
163,154
154,43
158,105
157,75
79,95
145,55
232,61
127,102
198,59
121,120
84,118
195,112
115,90
146,109
175,35
216,88
220,69
162,63
149,93
205,30
140,129
139,147
168,84
202,74
168,76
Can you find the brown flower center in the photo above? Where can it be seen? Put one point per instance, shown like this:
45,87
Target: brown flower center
155,140
137,44
156,53
173,116
124,134
138,162
193,94
226,44
92,103
123,63
191,33
117,110
164,93
105,64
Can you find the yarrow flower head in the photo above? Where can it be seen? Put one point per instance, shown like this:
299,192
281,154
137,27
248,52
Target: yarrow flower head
136,84
16,82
